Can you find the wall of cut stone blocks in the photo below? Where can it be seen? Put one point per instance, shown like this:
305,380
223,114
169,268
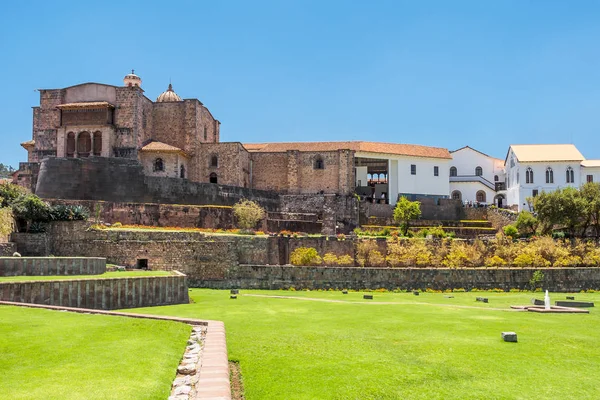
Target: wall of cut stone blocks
103,294
43,266
285,277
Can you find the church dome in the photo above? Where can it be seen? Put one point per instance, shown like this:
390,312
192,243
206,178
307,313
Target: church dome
132,80
168,96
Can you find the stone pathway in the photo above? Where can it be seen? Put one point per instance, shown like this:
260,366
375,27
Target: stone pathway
203,373
381,302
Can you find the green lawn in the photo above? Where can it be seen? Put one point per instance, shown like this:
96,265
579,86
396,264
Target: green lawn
57,355
116,274
425,347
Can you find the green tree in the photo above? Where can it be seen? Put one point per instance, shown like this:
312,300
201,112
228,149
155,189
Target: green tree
565,207
591,194
405,211
526,223
6,171
248,213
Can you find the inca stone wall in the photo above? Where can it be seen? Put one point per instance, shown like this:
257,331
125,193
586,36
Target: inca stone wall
284,277
40,266
103,294
122,180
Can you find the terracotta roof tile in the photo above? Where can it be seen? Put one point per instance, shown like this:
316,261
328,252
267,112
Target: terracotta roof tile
88,104
162,147
357,146
546,152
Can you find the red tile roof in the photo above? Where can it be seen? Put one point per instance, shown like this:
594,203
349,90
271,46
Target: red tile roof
88,104
358,146
163,148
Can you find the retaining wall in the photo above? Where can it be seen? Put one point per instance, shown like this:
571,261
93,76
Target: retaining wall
283,277
39,266
102,294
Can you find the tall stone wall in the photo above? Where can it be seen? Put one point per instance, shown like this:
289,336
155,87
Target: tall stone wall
122,180
338,213
284,277
102,294
40,266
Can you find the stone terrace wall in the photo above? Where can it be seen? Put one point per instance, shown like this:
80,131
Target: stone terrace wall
283,277
121,180
103,294
7,249
37,266
183,216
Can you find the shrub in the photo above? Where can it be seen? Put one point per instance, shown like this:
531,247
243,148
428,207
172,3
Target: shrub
437,232
409,253
345,260
495,261
248,213
406,210
9,193
511,230
530,259
305,256
117,225
526,223
536,279
7,221
376,259
330,259
363,248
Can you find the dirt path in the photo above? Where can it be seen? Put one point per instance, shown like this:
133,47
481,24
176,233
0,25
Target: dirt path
381,302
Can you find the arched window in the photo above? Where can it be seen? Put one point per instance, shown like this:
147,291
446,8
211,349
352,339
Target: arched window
84,144
496,178
70,144
529,175
453,171
319,164
159,165
98,143
456,195
478,171
212,178
214,161
549,175
480,196
570,175
181,171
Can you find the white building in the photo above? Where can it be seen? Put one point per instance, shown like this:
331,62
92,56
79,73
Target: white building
531,169
590,171
476,177
402,170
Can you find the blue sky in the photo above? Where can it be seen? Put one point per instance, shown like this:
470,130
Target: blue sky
440,73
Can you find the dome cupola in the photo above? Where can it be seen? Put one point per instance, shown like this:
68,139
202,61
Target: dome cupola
168,96
132,80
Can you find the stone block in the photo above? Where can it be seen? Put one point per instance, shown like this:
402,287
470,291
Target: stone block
574,303
416,293
570,297
233,296
482,299
368,297
509,337
234,291
537,302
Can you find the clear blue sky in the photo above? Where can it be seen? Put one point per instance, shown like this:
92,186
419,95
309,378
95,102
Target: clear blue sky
441,73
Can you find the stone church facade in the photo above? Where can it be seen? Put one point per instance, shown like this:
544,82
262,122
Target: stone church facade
179,139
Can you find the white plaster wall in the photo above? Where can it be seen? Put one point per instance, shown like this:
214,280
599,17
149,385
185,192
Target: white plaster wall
424,182
594,171
466,160
171,163
361,175
469,191
518,190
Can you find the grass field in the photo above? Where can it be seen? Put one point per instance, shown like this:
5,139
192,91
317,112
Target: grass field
57,355
325,345
116,274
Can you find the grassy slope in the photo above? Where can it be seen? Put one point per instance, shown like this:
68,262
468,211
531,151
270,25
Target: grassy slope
56,355
117,274
296,349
